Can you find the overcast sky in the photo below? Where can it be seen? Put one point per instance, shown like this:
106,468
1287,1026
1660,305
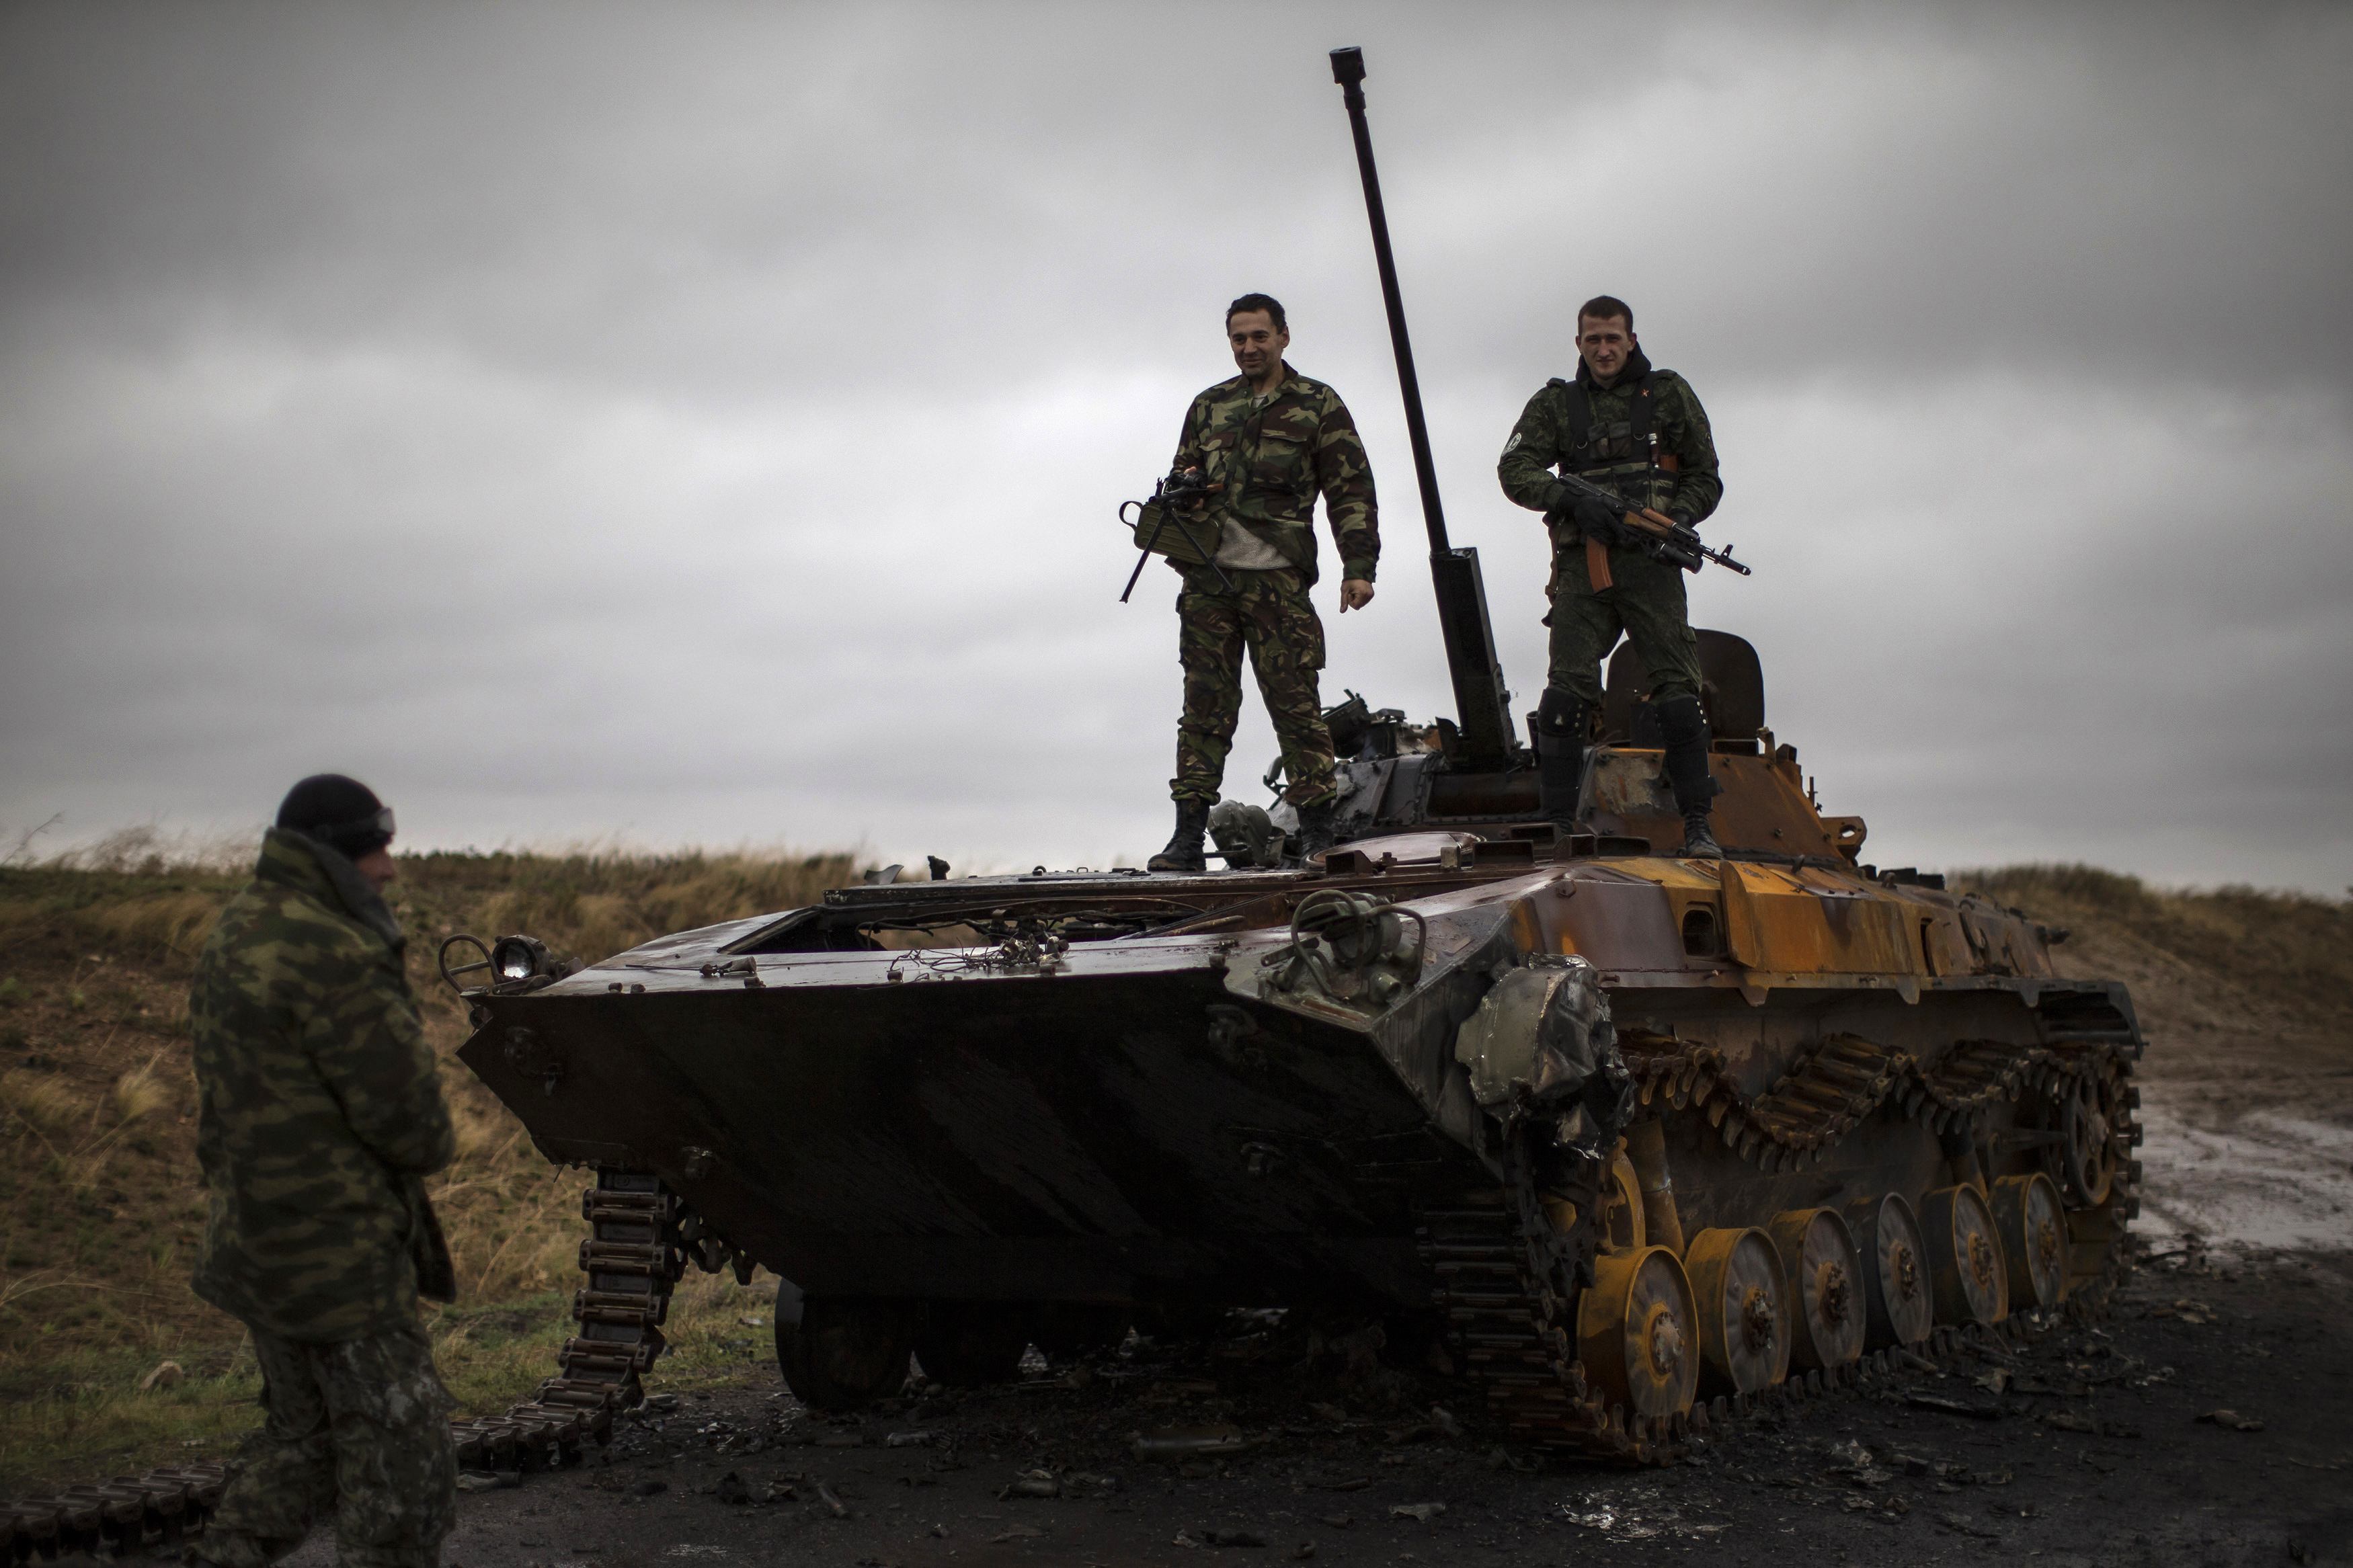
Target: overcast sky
694,424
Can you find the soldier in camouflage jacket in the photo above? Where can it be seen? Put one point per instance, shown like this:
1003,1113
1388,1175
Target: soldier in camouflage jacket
1267,442
321,1113
1640,433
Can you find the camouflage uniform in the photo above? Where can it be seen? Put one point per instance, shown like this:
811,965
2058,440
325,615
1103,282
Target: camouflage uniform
1271,461
1648,602
358,1429
320,1111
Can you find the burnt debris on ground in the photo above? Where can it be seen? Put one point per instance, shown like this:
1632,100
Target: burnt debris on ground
2088,1443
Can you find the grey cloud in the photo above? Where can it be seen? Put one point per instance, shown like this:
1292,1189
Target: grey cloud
703,423
683,199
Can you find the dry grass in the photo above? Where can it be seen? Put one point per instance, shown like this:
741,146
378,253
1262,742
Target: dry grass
170,924
594,905
49,1109
149,852
2283,961
139,1093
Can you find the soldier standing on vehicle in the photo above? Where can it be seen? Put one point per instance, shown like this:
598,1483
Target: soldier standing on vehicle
1266,443
1639,434
321,1113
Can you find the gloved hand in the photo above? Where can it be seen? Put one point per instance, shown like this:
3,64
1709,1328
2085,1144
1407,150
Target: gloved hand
1601,521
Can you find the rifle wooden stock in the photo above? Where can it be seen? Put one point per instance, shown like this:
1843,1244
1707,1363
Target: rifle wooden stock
1596,554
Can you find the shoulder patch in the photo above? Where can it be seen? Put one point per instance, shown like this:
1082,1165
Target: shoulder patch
1513,444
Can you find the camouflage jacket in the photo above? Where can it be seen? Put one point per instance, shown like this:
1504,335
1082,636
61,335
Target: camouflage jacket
1543,441
1274,461
319,1104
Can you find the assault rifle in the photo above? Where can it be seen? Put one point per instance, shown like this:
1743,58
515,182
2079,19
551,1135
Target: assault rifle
1677,544
1161,528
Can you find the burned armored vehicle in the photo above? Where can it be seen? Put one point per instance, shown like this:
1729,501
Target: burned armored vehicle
1634,1132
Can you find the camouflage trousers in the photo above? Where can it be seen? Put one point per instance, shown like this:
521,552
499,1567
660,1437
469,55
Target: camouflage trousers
1269,614
1646,604
358,1429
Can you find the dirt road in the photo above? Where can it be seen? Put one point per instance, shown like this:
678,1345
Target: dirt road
2089,1446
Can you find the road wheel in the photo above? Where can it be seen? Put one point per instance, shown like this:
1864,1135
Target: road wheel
1964,1261
1743,1309
1638,1333
1896,1289
966,1345
2088,1144
846,1353
1826,1287
2033,1238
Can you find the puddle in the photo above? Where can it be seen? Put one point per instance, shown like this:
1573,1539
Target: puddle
2267,1180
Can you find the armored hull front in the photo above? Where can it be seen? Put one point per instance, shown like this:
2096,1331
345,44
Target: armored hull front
985,1122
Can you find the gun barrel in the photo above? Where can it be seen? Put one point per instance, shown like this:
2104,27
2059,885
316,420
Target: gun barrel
1482,703
1348,70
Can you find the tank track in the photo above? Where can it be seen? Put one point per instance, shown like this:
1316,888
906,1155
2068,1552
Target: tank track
161,1507
1846,1078
636,1251
1507,1278
1507,1285
633,1257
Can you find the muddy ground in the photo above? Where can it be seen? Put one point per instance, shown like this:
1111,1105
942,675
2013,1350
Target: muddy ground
2247,1112
2090,1445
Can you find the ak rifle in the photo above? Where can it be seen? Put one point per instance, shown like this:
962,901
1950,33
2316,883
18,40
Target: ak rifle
1677,544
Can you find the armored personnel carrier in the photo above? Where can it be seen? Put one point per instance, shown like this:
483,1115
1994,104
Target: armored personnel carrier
1633,1130
1641,1135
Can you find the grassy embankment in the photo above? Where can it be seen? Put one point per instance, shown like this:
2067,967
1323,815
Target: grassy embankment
2238,980
101,1209
101,1206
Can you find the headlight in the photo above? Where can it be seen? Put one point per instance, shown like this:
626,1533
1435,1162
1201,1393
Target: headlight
517,958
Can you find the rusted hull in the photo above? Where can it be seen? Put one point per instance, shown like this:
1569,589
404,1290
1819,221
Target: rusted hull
1147,1117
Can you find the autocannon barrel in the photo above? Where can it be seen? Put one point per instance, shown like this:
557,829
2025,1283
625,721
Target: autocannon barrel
1481,704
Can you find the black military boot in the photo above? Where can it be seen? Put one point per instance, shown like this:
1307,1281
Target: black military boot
1563,725
1314,829
1184,852
1685,729
1699,839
